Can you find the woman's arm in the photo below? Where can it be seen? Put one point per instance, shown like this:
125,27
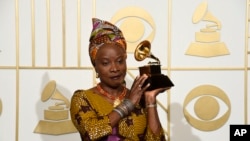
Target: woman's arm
153,118
155,130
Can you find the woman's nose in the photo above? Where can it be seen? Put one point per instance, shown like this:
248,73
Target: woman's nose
114,67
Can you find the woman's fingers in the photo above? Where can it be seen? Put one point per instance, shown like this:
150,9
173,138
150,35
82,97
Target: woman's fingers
137,88
139,81
136,79
142,79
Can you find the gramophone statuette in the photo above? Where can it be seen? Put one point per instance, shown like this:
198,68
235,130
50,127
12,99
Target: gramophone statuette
152,69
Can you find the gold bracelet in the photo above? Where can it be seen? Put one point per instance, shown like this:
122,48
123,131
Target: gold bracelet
151,105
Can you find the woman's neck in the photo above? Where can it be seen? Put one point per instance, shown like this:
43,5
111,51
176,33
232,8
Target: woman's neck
114,91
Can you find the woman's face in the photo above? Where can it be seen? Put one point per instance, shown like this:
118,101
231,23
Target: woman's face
110,64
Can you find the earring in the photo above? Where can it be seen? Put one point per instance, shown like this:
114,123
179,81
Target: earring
97,75
124,82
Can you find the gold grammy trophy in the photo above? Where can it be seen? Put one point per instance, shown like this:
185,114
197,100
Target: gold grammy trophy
152,69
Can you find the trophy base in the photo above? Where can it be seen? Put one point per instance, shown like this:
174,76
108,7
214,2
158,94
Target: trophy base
158,81
156,78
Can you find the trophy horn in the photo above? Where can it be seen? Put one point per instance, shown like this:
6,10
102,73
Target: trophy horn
142,51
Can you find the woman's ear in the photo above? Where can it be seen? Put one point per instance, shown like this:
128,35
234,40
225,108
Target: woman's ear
96,73
95,69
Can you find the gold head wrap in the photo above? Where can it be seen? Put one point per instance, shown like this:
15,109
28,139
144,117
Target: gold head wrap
104,32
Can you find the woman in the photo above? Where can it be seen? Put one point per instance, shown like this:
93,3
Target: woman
110,111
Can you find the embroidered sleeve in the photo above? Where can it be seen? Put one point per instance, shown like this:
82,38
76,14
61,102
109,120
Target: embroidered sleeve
85,119
154,137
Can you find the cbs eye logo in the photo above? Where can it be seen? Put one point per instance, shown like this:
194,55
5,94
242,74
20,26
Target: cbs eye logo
209,100
136,24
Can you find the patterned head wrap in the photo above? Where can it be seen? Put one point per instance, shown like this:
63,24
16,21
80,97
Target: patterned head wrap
104,32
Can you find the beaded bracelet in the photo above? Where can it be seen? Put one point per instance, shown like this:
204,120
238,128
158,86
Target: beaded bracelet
151,105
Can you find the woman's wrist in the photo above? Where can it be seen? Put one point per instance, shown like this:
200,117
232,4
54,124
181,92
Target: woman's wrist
150,99
154,105
124,108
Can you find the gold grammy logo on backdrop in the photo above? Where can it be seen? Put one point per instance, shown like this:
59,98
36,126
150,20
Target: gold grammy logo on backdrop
56,116
207,41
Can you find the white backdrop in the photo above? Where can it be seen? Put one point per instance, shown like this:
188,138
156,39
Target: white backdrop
44,40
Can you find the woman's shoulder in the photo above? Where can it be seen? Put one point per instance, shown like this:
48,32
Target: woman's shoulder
83,92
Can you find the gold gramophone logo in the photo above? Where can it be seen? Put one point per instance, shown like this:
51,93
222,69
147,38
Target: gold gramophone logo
56,117
207,41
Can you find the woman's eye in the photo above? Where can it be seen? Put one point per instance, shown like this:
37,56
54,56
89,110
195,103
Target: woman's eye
104,63
120,61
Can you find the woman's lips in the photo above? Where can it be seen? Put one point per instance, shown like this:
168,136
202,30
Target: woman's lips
116,77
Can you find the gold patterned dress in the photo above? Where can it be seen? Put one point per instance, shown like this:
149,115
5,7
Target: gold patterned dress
89,115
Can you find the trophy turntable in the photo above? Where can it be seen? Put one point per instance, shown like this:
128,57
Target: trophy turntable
152,69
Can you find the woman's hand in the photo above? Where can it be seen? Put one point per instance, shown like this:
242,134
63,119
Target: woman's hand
150,96
137,90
